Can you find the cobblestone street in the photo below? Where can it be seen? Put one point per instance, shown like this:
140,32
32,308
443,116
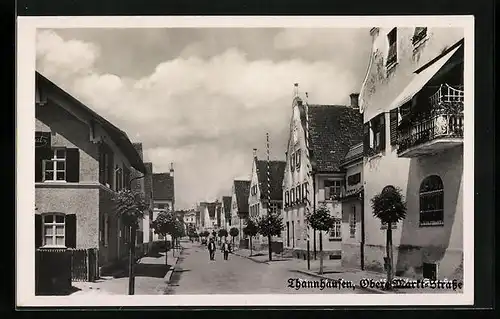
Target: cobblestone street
196,274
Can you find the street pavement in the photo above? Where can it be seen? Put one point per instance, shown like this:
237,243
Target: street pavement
195,273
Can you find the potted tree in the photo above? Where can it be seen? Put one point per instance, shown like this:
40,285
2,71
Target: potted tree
251,229
320,220
270,225
390,208
234,232
163,225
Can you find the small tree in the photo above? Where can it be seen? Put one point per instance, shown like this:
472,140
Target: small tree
130,208
205,234
320,220
233,232
178,231
270,225
163,225
251,229
191,231
390,208
222,233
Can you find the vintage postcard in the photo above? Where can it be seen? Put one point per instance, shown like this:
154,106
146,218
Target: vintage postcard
245,161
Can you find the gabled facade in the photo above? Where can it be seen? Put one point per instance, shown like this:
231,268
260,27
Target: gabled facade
226,208
81,160
163,196
265,195
413,110
319,138
239,206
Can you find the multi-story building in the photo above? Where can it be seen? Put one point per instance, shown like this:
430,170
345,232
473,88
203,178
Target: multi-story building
352,209
226,208
208,212
265,193
239,208
190,219
163,195
148,191
415,84
81,160
319,138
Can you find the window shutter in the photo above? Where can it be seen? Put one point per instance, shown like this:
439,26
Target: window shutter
72,165
38,231
102,163
41,154
382,131
366,138
70,230
110,171
393,124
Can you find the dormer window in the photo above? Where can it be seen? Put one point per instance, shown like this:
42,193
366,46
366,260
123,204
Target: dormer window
392,55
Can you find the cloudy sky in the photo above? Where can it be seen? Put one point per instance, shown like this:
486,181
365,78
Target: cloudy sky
204,98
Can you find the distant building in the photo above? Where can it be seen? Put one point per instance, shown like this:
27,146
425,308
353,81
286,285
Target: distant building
226,208
81,161
239,207
413,109
262,195
163,195
319,138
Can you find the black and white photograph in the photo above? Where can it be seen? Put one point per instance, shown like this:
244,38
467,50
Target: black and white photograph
245,161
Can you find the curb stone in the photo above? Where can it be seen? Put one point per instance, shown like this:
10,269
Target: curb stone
170,272
310,273
252,259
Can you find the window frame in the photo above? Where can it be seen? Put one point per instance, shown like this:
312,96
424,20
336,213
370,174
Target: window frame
54,225
54,160
335,232
419,37
437,195
392,58
334,196
352,222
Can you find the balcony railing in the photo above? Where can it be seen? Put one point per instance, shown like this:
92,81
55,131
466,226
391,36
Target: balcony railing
443,124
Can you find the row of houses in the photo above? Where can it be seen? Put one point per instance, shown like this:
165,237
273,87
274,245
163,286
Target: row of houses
404,129
81,161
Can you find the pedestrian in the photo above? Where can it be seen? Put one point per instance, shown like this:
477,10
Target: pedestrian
211,249
225,249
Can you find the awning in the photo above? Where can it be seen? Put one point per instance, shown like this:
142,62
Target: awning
421,79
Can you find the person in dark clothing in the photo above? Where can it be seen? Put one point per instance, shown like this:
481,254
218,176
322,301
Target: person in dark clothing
225,249
211,249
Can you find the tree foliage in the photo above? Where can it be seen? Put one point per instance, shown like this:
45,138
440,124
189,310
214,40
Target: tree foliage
270,225
130,207
191,231
222,233
251,228
320,219
205,233
164,223
388,205
234,232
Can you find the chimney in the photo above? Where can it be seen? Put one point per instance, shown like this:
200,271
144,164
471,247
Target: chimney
172,169
295,90
254,153
354,100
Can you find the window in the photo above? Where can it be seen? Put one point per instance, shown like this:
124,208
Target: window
298,196
287,198
119,178
106,171
305,192
354,179
374,135
419,35
392,55
54,230
55,167
297,160
292,196
352,222
292,162
333,189
431,201
335,232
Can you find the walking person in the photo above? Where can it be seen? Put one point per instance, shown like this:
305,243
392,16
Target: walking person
211,249
225,249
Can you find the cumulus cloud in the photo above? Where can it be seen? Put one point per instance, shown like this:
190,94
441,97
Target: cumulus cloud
204,113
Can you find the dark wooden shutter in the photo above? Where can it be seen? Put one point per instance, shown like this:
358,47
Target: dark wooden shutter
382,131
70,230
102,163
41,154
38,231
393,124
110,170
366,138
72,165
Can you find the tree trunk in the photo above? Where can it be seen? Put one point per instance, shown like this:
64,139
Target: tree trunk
166,250
390,274
131,257
270,248
251,246
320,252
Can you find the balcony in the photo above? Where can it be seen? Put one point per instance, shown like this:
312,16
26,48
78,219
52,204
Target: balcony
432,132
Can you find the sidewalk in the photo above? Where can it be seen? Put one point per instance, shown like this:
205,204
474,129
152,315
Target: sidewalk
332,270
151,278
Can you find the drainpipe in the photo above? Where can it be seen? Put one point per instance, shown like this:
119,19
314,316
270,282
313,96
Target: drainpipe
362,246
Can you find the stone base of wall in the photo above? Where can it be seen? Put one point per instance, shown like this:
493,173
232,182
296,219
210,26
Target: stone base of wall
408,260
302,254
